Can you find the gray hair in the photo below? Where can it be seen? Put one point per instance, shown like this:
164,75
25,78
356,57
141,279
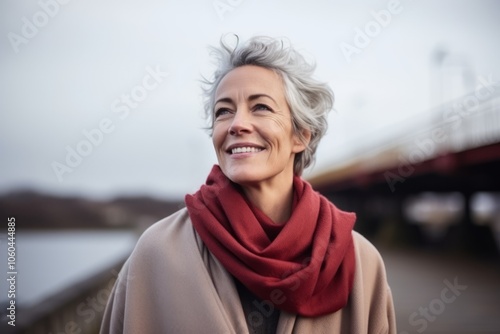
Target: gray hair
309,100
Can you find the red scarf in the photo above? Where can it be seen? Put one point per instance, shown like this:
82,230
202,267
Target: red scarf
305,266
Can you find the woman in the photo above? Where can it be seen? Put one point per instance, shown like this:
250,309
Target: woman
256,249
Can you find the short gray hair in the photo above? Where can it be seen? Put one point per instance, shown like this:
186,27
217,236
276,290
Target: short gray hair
308,99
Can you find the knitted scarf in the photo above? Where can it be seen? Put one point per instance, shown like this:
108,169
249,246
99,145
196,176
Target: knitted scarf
304,266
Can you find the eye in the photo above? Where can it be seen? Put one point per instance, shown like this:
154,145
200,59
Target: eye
221,112
260,106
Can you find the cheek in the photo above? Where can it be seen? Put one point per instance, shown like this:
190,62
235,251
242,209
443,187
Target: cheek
280,133
217,138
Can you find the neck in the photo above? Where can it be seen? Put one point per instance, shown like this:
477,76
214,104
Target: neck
275,202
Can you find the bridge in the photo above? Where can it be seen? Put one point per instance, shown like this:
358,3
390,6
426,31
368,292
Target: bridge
436,183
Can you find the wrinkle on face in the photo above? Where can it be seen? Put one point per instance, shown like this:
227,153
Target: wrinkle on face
251,102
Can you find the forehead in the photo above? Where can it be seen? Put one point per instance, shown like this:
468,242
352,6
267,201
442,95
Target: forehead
249,80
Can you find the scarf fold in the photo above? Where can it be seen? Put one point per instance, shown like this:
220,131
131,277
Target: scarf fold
305,266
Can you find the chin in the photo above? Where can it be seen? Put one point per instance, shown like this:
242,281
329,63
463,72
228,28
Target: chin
242,176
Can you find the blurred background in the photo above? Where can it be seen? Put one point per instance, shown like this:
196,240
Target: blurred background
101,135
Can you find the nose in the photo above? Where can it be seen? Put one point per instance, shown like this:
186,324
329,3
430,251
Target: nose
241,122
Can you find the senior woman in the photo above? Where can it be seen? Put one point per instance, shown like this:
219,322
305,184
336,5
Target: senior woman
256,250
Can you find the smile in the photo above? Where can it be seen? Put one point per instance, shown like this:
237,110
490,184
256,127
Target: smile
237,150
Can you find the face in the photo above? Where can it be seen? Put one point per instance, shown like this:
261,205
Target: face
252,134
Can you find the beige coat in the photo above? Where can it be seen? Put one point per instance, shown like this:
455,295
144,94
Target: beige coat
172,284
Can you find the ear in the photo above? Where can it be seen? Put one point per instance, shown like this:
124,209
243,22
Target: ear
299,145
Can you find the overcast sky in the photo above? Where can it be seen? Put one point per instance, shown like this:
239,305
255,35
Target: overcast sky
67,69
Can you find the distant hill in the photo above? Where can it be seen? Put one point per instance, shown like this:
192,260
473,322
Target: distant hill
40,211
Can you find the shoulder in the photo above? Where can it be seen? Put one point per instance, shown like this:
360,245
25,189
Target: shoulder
371,294
165,234
364,249
166,225
370,267
164,249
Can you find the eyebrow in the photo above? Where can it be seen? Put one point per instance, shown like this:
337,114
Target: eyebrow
250,98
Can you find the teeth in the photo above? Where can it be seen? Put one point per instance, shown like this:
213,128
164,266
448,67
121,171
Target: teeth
245,150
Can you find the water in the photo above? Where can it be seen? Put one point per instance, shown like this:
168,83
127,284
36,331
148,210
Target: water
48,262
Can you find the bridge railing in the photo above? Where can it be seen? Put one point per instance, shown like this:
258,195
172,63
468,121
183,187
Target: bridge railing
464,123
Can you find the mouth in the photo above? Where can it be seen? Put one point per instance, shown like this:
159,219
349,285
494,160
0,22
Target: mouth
244,148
